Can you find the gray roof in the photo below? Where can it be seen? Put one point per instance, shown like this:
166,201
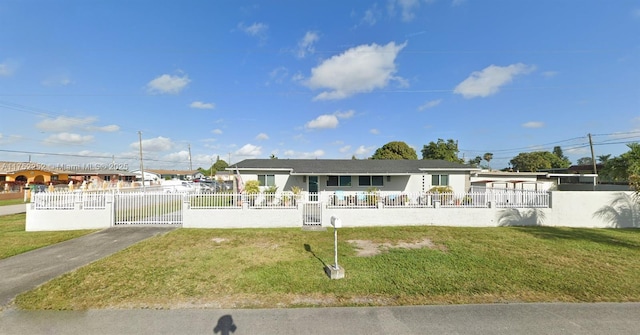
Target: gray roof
345,166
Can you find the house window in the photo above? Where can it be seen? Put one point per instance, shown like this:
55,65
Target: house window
339,181
267,179
370,180
440,180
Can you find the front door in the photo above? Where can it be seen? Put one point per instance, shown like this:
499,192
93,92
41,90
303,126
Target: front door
313,188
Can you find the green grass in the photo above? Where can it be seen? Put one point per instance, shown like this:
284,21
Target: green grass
11,202
15,240
254,268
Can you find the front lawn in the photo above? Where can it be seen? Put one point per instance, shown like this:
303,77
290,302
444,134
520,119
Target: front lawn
256,268
15,240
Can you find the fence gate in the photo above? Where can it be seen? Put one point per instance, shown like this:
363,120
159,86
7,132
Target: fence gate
312,213
148,208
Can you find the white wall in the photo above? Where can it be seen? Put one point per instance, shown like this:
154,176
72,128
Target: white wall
568,209
76,219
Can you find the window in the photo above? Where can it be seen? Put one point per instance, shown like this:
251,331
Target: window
440,180
339,181
370,181
267,179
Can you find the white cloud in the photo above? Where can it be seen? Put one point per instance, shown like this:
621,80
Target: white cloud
304,155
262,137
257,29
180,156
533,124
374,131
107,129
249,150
8,68
168,84
68,139
407,8
488,81
345,149
278,75
363,151
549,74
429,104
306,44
66,123
358,70
217,131
345,115
154,144
371,15
57,80
325,121
202,105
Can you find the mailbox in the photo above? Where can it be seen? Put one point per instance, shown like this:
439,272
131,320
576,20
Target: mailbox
336,222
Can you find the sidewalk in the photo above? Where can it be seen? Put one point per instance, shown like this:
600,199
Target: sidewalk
496,319
13,209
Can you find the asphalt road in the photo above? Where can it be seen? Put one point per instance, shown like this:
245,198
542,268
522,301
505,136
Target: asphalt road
510,319
13,209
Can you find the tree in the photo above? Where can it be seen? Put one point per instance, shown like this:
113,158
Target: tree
476,161
395,150
604,158
219,165
488,157
624,168
584,161
557,151
538,160
447,151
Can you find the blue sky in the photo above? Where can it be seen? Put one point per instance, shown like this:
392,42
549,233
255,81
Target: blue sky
314,79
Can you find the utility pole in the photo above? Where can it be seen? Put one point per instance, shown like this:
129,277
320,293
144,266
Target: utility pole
141,164
190,164
593,157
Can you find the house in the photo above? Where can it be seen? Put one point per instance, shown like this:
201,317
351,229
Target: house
157,175
535,181
98,176
15,174
315,175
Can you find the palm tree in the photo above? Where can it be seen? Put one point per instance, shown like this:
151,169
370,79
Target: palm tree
488,157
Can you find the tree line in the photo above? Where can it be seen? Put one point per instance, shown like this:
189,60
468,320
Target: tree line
623,168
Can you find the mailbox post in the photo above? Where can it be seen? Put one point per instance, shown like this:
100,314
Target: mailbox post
335,271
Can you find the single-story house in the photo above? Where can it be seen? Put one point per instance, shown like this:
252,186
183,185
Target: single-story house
315,175
534,181
30,172
99,176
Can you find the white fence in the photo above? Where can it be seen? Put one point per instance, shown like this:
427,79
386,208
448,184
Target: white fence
91,210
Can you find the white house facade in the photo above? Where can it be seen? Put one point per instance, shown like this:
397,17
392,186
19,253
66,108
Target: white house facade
317,175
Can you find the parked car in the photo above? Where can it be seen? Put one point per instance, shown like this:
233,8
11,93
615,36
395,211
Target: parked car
176,186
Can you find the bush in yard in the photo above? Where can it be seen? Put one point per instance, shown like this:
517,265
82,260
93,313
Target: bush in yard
252,187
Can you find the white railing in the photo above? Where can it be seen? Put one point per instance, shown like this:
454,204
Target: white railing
148,208
495,198
235,200
68,200
341,199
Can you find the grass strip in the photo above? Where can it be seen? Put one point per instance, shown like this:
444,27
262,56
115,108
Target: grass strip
15,240
260,268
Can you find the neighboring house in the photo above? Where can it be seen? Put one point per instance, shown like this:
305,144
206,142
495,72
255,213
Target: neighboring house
29,172
315,175
100,176
536,181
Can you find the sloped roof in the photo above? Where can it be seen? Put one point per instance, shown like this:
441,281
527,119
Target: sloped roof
14,167
346,166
